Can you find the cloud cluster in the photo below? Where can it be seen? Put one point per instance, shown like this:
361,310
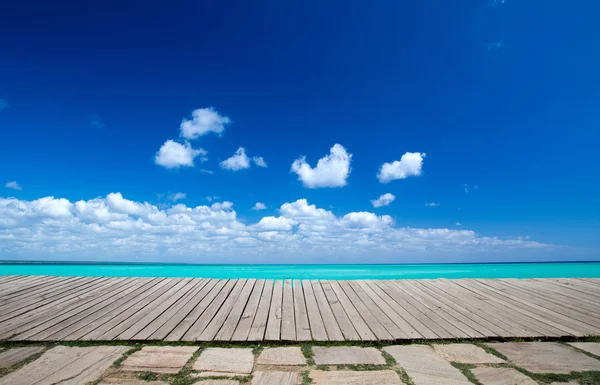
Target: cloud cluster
204,121
14,185
410,164
173,154
331,171
383,200
114,227
240,161
259,206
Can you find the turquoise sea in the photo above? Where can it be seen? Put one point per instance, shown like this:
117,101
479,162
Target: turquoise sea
413,271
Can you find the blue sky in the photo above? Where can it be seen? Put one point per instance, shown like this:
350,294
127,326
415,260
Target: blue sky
489,109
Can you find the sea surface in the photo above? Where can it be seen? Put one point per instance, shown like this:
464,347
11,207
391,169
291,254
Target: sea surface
404,271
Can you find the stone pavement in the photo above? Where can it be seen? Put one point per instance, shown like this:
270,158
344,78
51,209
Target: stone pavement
509,363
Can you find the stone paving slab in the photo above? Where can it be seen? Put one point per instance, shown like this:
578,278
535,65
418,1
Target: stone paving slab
159,359
502,376
234,360
13,356
466,354
425,367
218,382
130,381
218,374
275,378
546,357
346,377
281,356
347,355
66,366
590,347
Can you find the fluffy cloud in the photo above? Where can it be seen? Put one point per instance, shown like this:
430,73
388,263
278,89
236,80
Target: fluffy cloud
383,200
117,228
222,205
432,204
275,223
240,161
14,185
331,171
204,120
177,196
259,206
259,161
174,155
410,164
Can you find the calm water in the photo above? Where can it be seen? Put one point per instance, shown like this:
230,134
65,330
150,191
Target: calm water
501,270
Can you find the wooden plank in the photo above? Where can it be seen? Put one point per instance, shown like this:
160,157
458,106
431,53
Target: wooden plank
160,314
135,306
541,324
184,309
259,324
199,305
96,319
537,290
288,323
419,330
70,319
353,312
273,331
342,317
136,323
211,330
53,309
568,296
62,319
332,329
231,322
545,308
209,313
51,300
489,327
397,326
317,327
242,330
47,285
300,317
463,324
512,321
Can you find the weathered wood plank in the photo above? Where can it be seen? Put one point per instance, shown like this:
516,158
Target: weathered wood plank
288,323
259,324
333,330
244,326
317,327
273,331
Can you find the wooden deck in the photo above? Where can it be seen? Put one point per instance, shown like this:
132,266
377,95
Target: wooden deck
45,308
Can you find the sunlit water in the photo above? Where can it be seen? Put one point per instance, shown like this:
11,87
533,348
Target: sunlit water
415,271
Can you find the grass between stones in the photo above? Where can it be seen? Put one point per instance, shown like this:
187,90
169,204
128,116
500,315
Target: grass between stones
186,377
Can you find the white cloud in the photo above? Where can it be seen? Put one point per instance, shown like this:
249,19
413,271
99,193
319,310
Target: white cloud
222,205
432,204
117,228
259,206
458,224
241,161
331,171
410,164
259,161
14,185
383,200
205,171
466,187
177,196
211,198
204,120
238,161
174,155
275,224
